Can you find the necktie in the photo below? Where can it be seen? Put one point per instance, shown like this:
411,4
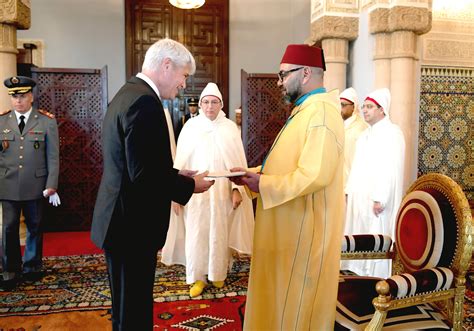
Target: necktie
22,123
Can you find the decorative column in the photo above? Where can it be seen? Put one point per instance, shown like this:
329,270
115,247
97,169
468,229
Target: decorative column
379,18
14,14
333,25
336,53
396,31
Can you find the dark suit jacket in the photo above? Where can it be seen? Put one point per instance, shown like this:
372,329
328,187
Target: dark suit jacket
139,181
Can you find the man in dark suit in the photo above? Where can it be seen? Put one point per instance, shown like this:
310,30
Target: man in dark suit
139,182
193,111
29,170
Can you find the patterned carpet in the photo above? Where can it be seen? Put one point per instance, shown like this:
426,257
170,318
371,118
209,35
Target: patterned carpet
79,283
76,286
71,283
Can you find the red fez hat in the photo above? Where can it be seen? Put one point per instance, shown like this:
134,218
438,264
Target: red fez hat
305,55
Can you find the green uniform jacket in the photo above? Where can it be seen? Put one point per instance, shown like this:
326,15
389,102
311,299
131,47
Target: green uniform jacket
29,162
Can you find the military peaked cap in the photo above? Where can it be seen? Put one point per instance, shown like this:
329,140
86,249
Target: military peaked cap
19,84
193,101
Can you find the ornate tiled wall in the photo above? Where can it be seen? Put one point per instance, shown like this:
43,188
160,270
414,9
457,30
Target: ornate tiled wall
446,136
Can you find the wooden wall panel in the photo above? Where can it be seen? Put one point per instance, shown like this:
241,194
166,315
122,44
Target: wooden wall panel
263,114
78,99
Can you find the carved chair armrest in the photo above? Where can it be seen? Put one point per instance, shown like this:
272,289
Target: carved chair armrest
420,282
409,289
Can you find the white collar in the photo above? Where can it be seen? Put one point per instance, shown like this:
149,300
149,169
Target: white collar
380,125
147,80
350,120
27,115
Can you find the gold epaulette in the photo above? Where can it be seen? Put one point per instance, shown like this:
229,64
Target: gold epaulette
5,112
45,113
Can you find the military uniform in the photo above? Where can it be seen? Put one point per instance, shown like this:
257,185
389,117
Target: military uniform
191,102
29,163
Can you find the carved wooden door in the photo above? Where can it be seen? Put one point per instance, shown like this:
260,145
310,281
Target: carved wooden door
204,31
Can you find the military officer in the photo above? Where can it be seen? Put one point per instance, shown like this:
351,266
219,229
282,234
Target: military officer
29,168
193,111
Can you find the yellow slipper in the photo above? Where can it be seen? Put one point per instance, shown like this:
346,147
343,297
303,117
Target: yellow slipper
218,284
197,288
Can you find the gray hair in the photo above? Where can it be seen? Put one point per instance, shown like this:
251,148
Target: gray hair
168,48
318,73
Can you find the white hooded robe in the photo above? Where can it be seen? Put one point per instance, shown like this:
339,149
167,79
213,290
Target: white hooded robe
204,235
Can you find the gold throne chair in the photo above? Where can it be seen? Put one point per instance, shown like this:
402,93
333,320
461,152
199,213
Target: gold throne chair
430,257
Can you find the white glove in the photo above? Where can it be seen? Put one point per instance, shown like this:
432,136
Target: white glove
54,200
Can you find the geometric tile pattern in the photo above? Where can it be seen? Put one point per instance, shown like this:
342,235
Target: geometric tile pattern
446,127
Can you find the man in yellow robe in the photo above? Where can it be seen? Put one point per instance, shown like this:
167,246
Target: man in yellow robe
299,218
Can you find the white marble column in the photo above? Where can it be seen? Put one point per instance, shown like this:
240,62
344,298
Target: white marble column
382,57
8,53
403,85
396,31
334,34
336,53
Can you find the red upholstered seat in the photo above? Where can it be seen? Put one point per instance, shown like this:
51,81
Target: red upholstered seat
432,251
425,233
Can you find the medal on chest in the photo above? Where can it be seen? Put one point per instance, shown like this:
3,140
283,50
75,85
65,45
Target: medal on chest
5,143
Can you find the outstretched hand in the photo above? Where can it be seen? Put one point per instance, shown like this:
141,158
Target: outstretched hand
250,179
201,184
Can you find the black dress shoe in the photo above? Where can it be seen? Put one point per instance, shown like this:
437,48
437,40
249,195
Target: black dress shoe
33,276
8,285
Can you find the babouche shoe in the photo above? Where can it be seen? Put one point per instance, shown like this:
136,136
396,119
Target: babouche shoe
197,288
218,284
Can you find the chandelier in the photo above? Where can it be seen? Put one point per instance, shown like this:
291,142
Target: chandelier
187,4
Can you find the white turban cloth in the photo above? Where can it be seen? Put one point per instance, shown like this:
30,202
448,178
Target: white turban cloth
382,97
211,89
351,95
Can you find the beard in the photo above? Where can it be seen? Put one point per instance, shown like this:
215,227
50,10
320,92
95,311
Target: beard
293,92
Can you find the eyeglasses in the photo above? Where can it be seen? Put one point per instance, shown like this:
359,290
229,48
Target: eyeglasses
213,102
369,106
343,104
283,73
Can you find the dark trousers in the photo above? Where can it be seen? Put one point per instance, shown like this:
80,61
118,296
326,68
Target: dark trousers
131,278
32,259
